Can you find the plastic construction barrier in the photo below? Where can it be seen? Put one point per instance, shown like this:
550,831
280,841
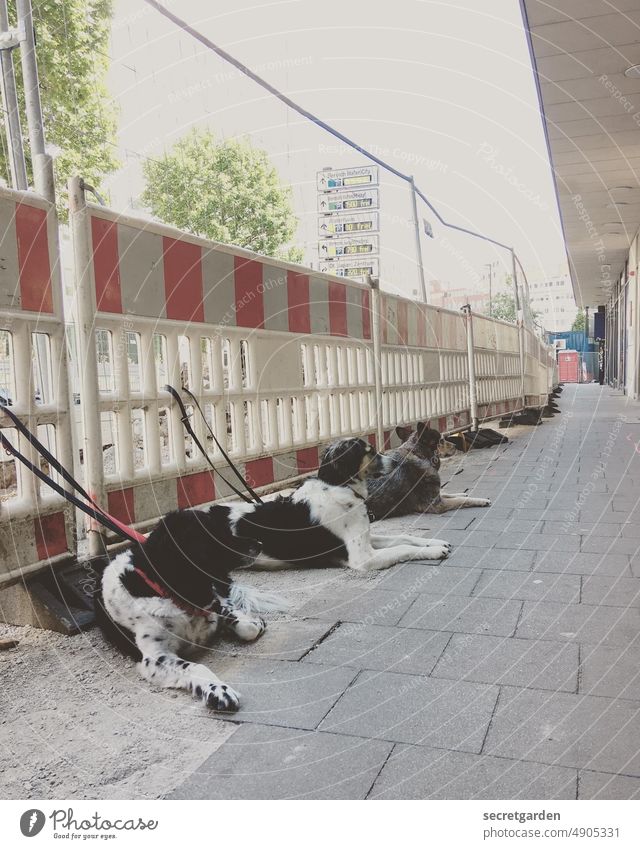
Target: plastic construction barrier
36,526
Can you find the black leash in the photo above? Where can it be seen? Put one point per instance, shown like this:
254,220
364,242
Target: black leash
187,425
94,511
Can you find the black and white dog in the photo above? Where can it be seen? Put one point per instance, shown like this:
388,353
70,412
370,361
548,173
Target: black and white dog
174,591
172,594
325,522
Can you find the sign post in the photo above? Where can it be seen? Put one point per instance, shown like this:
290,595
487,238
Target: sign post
349,221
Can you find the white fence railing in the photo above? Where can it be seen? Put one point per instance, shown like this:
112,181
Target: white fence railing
282,360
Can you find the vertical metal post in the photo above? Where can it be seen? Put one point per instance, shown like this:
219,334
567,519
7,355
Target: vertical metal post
12,115
87,360
41,162
473,394
414,205
377,359
520,324
489,265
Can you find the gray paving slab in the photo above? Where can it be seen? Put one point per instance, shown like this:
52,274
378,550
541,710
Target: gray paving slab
410,651
608,546
466,615
283,640
261,762
430,577
414,709
611,671
279,692
602,785
540,664
619,592
415,772
472,557
578,623
358,604
583,563
584,529
529,585
566,729
538,542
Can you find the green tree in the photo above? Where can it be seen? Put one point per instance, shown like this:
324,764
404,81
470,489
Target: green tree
223,190
72,40
503,306
579,321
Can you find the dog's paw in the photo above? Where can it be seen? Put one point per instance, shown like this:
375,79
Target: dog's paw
221,697
441,542
484,502
250,629
433,552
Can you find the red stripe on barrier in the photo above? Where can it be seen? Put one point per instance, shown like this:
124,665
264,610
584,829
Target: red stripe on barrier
248,290
50,535
195,489
442,424
183,279
366,314
338,309
307,459
259,472
106,265
121,505
372,439
387,440
403,322
298,302
33,259
383,320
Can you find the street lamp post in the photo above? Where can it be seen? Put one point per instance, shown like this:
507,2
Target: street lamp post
489,265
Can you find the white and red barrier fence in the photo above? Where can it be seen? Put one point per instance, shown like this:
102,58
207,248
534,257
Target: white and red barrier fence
282,360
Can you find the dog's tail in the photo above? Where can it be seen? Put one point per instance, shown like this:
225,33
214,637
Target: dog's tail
250,600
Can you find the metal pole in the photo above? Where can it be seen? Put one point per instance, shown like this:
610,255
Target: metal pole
12,115
414,204
87,360
377,359
489,265
473,395
520,323
41,162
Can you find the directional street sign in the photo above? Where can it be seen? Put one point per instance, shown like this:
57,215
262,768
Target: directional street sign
343,225
340,201
334,248
352,268
348,200
347,178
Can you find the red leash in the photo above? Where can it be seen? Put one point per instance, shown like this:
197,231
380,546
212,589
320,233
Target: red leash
158,590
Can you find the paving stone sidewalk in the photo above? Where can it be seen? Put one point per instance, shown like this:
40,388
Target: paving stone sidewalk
510,670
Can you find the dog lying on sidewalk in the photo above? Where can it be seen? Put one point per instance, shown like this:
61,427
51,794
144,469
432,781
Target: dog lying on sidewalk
173,592
414,484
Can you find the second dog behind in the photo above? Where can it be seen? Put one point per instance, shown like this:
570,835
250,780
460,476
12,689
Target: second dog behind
414,484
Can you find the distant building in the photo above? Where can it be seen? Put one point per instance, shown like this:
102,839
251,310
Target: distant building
443,295
553,300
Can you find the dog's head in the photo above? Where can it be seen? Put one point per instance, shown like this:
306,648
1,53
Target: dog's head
426,443
352,460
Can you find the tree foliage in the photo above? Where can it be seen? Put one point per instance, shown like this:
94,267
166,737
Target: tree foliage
72,42
503,306
227,191
579,321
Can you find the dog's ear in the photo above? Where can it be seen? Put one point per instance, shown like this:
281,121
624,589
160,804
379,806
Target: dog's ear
421,427
403,432
341,461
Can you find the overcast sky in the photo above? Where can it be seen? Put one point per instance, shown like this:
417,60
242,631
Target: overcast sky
443,90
